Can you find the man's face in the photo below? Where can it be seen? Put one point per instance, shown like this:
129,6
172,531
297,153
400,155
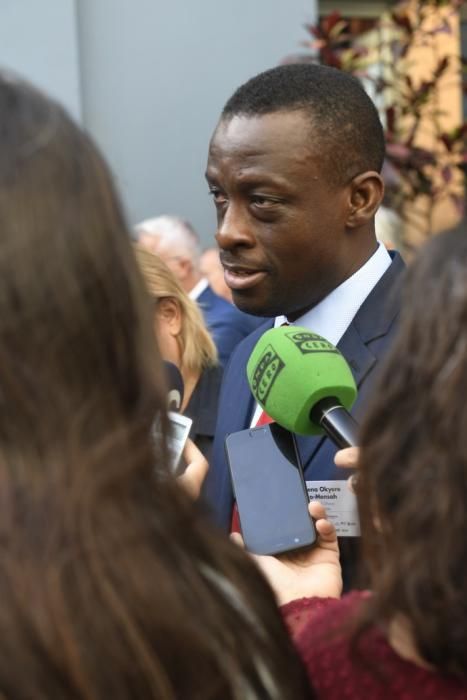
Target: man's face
281,224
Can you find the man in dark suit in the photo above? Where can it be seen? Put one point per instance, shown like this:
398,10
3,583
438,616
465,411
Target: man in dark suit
294,171
177,243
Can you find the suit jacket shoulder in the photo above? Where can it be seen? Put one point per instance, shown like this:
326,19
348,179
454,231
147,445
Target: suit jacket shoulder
227,324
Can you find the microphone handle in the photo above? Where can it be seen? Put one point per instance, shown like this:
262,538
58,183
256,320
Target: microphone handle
336,422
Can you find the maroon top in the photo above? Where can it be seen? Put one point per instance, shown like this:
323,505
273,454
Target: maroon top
379,673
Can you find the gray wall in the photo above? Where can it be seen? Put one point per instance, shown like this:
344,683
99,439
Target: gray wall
38,39
155,76
149,79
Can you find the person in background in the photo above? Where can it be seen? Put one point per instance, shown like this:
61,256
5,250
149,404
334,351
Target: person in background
408,637
177,243
211,268
112,584
184,340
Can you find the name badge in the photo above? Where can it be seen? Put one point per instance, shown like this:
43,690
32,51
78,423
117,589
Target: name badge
340,504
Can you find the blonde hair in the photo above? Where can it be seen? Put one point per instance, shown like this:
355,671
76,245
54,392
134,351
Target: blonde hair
197,347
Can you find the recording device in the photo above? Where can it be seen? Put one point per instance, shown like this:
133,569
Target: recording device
178,425
304,383
269,489
179,430
175,386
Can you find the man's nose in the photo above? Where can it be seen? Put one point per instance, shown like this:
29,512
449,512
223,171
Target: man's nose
234,230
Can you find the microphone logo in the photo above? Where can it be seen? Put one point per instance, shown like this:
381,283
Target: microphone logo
265,373
308,343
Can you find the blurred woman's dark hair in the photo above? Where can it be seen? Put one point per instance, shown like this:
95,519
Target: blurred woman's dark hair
111,584
413,480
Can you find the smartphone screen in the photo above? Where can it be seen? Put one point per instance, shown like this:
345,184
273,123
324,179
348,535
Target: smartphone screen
270,490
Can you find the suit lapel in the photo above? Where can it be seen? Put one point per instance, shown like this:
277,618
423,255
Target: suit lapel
357,354
360,360
241,398
205,298
241,401
373,320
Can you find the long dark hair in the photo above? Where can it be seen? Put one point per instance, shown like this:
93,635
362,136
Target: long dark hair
111,584
413,481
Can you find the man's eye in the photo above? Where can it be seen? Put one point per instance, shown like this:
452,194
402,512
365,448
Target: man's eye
263,202
218,196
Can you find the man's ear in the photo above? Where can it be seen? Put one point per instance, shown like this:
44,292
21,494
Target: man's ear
366,194
170,313
185,267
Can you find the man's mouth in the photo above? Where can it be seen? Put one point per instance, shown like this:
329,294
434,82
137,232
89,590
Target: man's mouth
239,277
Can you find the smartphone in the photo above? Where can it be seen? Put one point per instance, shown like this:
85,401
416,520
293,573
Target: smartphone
179,430
270,490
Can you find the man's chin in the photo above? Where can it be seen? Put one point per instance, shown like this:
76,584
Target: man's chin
254,307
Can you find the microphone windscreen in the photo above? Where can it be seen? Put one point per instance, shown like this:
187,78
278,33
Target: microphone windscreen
175,386
291,369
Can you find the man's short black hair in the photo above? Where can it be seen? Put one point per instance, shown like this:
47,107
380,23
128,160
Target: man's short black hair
346,128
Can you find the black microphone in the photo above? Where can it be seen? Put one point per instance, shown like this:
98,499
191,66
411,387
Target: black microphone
175,386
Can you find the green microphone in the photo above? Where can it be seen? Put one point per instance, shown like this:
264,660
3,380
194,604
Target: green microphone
304,383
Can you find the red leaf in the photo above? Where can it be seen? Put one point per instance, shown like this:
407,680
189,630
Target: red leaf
314,30
446,174
441,67
402,21
390,118
447,141
330,21
398,151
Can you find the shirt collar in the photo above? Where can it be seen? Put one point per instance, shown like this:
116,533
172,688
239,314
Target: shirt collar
198,289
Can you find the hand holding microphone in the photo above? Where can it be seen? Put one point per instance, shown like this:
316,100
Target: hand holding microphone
304,383
348,458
